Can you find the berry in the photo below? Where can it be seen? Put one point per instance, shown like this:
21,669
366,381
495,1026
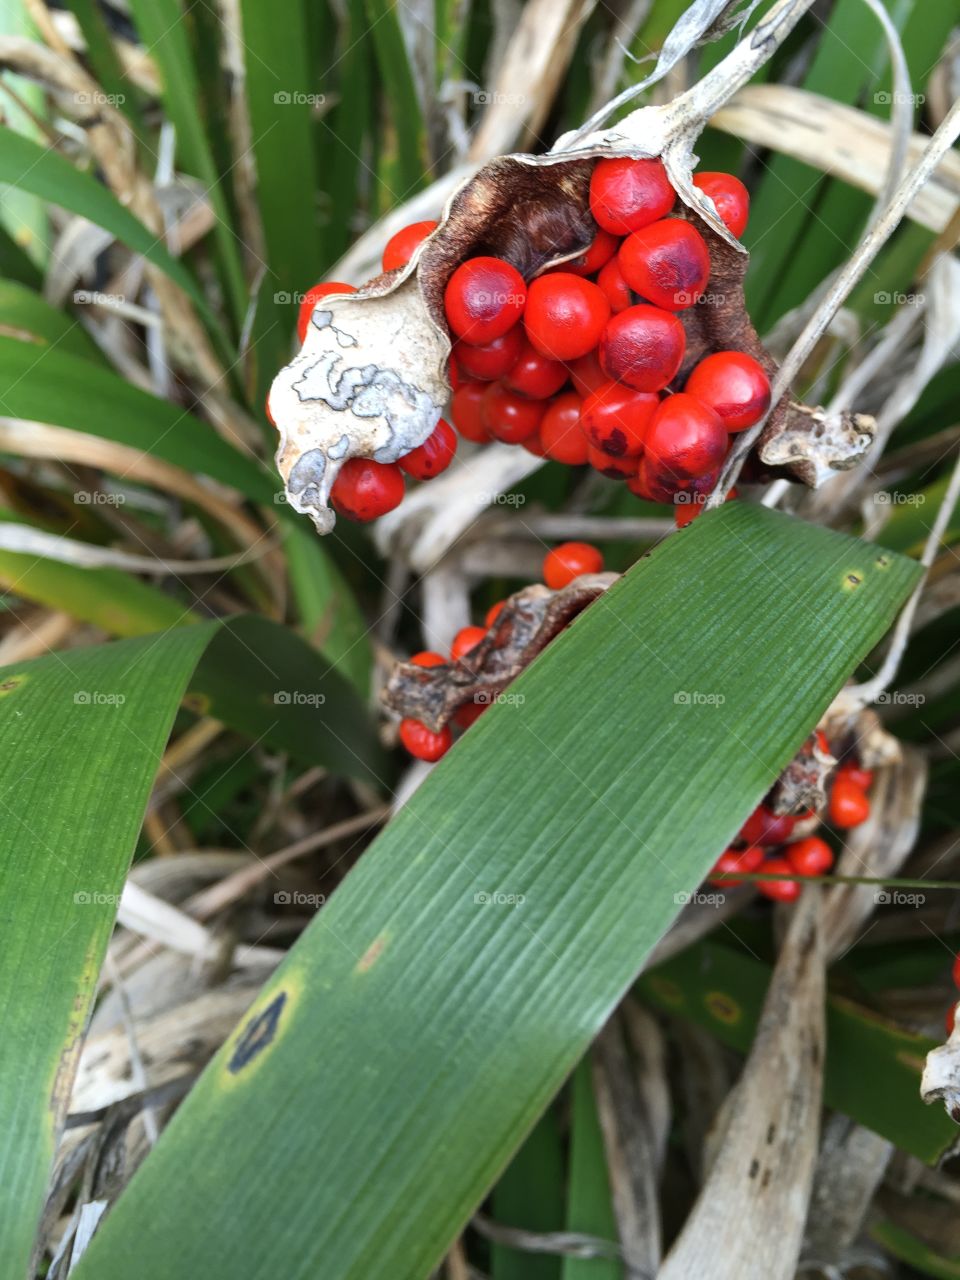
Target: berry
849,804
611,467
686,512
611,281
685,439
428,658
310,300
586,373
401,246
533,374
493,613
858,776
569,561
466,714
614,418
767,828
950,1019
467,638
560,432
602,248
467,413
689,503
667,263
810,857
735,860
510,417
364,489
423,742
493,360
643,347
734,385
433,456
483,299
730,197
779,890
533,444
565,315
626,194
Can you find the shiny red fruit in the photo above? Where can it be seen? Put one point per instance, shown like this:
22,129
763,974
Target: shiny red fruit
618,292
428,658
734,385
467,412
365,490
667,263
312,297
687,505
467,638
685,438
560,431
955,972
470,712
611,467
400,247
766,828
735,861
565,315
493,360
779,890
860,777
423,742
810,857
730,196
569,561
510,417
615,418
602,249
433,456
643,347
493,613
533,444
533,374
626,194
483,299
849,804
586,373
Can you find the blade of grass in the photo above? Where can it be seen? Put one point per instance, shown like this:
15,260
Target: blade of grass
589,1201
28,317
529,1195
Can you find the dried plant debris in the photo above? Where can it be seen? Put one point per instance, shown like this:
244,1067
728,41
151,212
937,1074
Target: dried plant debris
803,784
526,624
941,1075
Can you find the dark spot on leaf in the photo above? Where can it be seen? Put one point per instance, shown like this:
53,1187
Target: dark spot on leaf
754,1168
12,682
771,1133
882,562
257,1034
853,580
765,1180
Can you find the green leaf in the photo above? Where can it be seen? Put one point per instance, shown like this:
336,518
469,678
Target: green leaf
28,317
589,1201
425,1018
72,794
530,1195
404,117
105,62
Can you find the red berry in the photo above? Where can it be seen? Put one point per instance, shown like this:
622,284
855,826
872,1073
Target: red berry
734,385
569,561
810,857
686,512
483,299
433,456
423,742
849,804
533,374
467,412
956,971
565,315
764,827
735,861
949,1020
492,361
691,496
400,247
685,438
365,490
467,638
779,890
601,250
560,432
586,373
611,281
510,417
493,613
730,196
312,297
611,467
626,194
466,714
643,347
428,658
668,263
533,444
614,418
860,777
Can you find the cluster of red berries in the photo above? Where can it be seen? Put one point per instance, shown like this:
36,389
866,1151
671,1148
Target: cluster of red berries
764,841
581,364
560,567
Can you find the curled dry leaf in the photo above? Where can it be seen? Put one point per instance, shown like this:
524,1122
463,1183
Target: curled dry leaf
526,624
941,1075
803,784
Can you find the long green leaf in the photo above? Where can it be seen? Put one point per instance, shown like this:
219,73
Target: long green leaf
424,1020
589,1199
27,316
